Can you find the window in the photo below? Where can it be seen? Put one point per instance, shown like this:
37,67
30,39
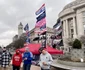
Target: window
71,23
20,28
72,32
83,19
71,35
83,13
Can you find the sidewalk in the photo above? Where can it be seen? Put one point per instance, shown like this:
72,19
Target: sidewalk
32,68
58,65
35,67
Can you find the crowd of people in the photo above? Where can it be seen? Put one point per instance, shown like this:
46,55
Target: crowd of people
26,58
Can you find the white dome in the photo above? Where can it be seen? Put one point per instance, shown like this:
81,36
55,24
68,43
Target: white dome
74,3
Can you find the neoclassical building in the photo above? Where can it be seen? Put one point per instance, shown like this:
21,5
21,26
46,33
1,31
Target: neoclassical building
73,20
49,33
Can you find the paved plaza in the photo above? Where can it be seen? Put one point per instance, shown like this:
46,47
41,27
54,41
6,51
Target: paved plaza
33,68
65,67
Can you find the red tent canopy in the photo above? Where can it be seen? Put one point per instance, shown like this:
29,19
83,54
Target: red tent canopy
35,47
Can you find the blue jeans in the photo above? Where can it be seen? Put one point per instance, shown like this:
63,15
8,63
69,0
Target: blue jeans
26,67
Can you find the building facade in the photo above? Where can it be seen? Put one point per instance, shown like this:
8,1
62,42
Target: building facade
49,33
33,34
73,20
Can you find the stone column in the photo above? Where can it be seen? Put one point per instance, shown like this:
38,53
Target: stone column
74,27
67,31
64,37
64,28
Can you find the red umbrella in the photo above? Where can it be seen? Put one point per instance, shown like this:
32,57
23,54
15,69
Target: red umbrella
35,47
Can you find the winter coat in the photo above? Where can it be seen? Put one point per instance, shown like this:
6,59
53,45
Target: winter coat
5,57
29,57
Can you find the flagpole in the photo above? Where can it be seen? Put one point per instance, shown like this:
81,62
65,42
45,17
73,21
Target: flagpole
39,38
46,33
46,39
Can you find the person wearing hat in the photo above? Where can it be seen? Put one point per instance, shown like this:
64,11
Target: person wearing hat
45,59
16,60
27,59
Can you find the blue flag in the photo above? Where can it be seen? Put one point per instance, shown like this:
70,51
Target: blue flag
41,9
27,40
26,28
41,16
57,24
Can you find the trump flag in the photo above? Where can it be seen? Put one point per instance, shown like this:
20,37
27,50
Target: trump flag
40,10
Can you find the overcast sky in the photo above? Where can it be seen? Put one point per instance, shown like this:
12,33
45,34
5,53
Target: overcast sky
12,12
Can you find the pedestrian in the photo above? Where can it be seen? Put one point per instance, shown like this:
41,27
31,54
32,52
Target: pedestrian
27,59
0,56
5,59
45,59
16,60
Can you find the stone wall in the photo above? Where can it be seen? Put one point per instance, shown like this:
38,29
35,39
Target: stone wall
77,54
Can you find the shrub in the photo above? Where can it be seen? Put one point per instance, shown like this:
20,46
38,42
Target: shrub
77,44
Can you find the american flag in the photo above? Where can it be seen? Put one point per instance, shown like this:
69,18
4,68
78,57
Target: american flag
41,23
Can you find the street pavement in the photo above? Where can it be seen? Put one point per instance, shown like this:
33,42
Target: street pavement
65,67
33,67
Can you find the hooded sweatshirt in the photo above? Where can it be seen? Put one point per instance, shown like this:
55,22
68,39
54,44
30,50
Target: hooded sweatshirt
17,59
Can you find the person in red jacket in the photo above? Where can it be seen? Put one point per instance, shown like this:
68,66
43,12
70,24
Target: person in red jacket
16,60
